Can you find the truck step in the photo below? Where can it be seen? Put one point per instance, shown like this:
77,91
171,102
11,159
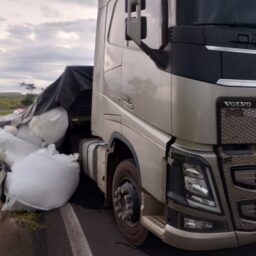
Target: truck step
156,224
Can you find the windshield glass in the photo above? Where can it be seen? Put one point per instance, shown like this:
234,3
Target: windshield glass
216,12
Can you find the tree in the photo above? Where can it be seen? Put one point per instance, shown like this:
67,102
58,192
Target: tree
29,98
29,87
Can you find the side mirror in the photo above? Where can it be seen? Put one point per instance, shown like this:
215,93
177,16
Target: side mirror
143,31
136,27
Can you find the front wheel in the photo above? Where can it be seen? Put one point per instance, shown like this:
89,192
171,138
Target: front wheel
126,197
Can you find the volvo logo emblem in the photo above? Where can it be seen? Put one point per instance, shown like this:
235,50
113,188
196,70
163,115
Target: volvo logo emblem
238,104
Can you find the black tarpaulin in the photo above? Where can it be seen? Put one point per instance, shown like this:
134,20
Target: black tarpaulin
230,12
74,81
64,91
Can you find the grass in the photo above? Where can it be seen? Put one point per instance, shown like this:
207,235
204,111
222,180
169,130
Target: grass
5,112
8,103
28,220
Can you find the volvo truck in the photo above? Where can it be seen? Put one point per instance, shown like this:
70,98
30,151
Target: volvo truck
174,120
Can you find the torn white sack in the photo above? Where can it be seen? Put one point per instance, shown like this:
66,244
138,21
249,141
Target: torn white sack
13,149
43,180
11,129
24,132
51,126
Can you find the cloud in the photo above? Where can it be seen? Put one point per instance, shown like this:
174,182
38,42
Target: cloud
41,52
93,3
49,12
83,29
20,32
38,39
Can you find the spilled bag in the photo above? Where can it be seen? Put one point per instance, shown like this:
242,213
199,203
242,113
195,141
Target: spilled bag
51,126
43,180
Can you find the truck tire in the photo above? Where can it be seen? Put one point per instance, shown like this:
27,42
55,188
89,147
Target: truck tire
126,198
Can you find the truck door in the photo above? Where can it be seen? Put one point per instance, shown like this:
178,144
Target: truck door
146,90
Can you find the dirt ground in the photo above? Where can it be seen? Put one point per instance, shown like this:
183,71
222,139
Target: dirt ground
14,239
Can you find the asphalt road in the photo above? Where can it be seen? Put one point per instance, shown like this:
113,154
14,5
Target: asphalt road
102,234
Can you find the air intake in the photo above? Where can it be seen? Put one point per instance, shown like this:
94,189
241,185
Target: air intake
248,210
245,176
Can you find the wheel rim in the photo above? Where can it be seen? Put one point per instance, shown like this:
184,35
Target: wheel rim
126,203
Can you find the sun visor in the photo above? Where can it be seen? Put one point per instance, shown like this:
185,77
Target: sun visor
195,12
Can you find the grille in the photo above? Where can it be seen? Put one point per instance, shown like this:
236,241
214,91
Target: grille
237,124
240,181
237,129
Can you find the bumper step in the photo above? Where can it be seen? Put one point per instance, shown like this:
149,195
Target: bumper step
156,224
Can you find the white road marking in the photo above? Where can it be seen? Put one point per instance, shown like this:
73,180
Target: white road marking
77,239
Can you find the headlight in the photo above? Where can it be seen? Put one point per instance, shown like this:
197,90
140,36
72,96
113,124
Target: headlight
191,183
195,182
197,186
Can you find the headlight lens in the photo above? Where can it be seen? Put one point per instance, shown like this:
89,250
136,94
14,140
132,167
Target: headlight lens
196,185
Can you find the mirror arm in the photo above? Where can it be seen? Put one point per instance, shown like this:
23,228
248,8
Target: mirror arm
160,57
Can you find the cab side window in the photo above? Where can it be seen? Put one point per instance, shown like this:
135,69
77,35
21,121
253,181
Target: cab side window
117,27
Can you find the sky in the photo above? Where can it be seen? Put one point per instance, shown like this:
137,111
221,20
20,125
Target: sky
38,39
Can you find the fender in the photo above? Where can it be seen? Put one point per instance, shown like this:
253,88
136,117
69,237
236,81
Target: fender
120,137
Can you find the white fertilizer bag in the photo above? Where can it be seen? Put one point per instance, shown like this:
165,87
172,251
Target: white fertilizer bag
13,149
50,126
11,129
24,132
44,180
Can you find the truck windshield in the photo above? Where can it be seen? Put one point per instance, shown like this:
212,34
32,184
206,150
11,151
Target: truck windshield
216,12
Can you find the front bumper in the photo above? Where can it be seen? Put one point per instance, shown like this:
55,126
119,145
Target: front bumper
206,241
200,241
194,241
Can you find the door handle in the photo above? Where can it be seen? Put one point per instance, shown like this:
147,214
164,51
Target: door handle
127,104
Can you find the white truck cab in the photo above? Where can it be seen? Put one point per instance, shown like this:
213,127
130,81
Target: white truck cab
174,117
